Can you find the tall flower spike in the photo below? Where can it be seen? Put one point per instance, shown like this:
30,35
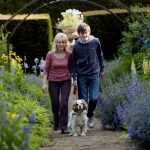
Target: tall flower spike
146,66
133,68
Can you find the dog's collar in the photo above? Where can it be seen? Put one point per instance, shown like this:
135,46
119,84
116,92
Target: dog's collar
77,113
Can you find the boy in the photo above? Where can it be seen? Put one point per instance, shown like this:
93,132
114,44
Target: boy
87,68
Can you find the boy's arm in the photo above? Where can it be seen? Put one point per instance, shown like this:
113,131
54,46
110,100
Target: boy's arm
101,59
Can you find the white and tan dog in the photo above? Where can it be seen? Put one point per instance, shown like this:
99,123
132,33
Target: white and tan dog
78,118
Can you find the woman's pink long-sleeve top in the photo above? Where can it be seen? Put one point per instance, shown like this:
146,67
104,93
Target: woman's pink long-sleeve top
57,69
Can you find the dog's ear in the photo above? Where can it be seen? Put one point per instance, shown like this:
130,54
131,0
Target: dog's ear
85,105
74,107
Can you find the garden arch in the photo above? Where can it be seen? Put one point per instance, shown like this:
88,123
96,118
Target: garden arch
93,4
117,2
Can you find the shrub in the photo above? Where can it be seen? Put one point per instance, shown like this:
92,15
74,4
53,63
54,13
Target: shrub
122,65
37,116
136,39
113,95
12,133
14,89
116,68
136,113
33,88
26,40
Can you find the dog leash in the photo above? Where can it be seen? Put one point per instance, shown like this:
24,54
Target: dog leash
75,91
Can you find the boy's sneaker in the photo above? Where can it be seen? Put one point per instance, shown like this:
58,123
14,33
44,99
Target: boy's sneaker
90,122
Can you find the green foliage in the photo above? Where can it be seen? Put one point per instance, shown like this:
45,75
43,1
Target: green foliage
31,87
50,33
140,65
42,119
116,68
12,136
118,88
122,65
28,107
3,43
12,80
13,5
37,117
115,83
136,39
108,29
33,38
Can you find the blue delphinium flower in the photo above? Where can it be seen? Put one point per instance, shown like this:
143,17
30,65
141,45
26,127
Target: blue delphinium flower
148,120
144,41
27,130
32,119
136,113
148,27
3,70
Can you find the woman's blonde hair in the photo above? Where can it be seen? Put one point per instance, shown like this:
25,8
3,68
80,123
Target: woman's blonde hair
63,37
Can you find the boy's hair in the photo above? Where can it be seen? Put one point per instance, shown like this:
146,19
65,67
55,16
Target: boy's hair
83,27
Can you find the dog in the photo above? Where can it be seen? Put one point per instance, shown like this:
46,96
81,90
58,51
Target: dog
78,118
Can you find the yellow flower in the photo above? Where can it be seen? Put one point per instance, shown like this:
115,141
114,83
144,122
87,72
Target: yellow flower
11,115
4,57
18,59
13,53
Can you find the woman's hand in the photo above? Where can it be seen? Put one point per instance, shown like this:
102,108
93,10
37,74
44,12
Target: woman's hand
44,88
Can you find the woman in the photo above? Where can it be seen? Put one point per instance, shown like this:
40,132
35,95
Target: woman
57,70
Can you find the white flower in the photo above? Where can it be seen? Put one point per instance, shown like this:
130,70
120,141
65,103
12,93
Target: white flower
71,18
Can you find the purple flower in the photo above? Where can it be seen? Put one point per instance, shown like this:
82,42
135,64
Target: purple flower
32,119
148,120
27,129
148,27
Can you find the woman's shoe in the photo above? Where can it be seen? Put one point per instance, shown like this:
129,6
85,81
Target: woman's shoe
55,128
64,131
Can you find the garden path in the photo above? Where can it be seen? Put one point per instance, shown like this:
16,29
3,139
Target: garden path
96,139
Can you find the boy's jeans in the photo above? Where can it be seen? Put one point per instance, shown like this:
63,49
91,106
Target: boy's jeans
88,89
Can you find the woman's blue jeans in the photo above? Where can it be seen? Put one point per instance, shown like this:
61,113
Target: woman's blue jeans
88,89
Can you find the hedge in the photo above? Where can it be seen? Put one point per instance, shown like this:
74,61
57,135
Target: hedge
33,38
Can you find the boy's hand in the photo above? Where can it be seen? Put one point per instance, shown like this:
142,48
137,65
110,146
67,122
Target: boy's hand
75,83
101,75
